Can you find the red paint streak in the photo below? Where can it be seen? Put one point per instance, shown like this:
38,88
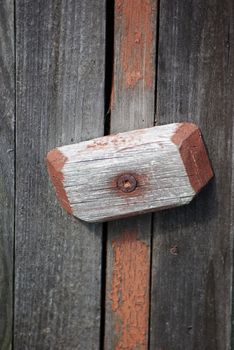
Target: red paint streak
136,19
130,291
55,164
194,155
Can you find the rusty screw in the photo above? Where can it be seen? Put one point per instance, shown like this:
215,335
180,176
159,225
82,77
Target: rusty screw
127,183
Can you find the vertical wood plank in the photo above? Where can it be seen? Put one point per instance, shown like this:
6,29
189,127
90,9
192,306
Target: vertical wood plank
128,245
192,246
7,115
60,100
232,233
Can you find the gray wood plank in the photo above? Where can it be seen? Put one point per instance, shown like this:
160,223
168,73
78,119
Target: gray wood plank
128,244
60,100
192,247
232,232
7,115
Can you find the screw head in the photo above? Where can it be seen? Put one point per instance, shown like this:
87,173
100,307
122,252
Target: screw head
127,183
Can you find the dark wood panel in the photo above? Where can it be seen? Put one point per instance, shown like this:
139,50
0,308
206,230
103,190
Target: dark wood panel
232,231
129,240
7,115
192,246
60,100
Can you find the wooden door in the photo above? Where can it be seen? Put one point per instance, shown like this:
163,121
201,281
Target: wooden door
74,70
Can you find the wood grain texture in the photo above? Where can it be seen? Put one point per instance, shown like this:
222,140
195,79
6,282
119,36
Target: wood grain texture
232,232
60,100
132,96
192,246
130,173
7,116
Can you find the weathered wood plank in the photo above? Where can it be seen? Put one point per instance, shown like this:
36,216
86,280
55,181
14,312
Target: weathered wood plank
60,99
7,115
192,245
130,173
128,245
232,232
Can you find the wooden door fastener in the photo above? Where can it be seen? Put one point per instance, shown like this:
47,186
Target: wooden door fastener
130,173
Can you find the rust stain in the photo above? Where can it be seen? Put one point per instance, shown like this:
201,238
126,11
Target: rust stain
141,185
127,183
136,19
194,155
130,291
55,164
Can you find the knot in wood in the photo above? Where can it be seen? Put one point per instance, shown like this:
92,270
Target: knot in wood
127,183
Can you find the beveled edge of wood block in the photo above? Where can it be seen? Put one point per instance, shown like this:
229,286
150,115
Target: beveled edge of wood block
194,155
55,163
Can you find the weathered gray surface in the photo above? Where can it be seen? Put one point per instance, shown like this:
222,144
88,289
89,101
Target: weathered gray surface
60,100
232,234
192,255
7,111
158,172
60,77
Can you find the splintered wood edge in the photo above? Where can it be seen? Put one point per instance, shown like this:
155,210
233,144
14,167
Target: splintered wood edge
55,164
193,152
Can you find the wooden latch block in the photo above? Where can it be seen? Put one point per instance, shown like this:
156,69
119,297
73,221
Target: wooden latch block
130,173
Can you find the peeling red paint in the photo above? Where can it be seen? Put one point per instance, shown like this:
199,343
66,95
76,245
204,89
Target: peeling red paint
134,17
117,140
134,46
55,164
130,291
194,155
97,144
